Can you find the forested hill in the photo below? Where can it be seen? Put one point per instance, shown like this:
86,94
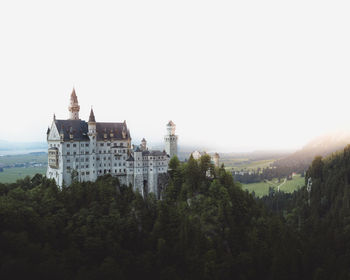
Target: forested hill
205,227
323,218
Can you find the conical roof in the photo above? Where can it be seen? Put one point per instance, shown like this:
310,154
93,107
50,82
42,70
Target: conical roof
92,116
73,96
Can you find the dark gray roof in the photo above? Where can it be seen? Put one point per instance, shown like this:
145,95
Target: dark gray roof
115,128
79,129
153,153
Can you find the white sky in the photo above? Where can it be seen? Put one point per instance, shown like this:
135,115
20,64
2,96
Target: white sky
231,74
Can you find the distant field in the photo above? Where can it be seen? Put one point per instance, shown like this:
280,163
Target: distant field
26,158
262,188
31,162
11,175
245,163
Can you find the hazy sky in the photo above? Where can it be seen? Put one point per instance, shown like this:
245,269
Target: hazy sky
230,74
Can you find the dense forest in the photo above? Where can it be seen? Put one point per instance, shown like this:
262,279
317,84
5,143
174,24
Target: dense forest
204,227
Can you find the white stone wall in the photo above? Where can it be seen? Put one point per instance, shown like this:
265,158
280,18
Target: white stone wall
171,145
92,158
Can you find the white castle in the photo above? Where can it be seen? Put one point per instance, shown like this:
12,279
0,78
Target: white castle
80,150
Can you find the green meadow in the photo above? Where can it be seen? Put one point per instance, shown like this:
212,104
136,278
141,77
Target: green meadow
262,188
11,175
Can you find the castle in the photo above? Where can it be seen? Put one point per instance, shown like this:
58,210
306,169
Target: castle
80,150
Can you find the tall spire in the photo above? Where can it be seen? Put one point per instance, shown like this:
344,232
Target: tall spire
92,116
74,107
73,96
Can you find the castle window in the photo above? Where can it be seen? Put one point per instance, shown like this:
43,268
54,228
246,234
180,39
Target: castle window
68,145
82,173
87,173
75,153
87,159
101,144
86,145
68,160
93,151
74,145
108,144
68,153
124,170
99,152
77,159
87,166
86,152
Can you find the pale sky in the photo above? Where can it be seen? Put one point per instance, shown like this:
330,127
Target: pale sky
236,75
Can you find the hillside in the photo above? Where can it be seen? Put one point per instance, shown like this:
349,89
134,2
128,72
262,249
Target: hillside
205,227
321,217
321,146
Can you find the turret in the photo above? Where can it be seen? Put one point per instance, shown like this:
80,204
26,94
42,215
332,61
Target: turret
171,128
74,107
92,146
170,139
216,159
92,124
143,144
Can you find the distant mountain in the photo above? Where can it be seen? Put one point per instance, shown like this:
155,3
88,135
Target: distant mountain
10,146
320,146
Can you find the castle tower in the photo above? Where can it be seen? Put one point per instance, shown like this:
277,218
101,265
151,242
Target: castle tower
93,146
170,140
74,107
143,144
216,159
